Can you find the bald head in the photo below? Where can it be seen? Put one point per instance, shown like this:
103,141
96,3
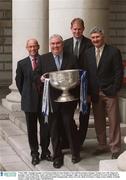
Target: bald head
32,47
31,41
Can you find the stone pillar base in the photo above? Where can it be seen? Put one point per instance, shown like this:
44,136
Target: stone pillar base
121,161
12,100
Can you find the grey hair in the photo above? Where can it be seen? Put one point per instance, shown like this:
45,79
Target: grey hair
56,36
97,29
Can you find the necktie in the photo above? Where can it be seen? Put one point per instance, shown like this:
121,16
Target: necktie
57,59
34,63
97,56
76,49
37,82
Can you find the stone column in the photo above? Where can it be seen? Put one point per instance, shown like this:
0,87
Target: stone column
62,12
29,20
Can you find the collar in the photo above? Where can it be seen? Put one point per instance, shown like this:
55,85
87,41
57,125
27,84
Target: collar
60,55
33,57
77,39
101,48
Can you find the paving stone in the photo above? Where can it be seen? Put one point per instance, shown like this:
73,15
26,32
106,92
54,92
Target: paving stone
18,166
9,160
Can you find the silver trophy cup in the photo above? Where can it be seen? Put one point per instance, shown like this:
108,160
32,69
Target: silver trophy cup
64,80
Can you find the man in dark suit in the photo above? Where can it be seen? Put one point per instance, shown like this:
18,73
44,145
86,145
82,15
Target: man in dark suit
105,70
77,45
30,87
62,112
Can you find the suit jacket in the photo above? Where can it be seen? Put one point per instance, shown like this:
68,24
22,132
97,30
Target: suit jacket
85,44
108,76
27,82
48,65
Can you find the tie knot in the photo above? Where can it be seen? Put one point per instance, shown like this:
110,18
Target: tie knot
98,50
34,63
77,42
34,59
58,58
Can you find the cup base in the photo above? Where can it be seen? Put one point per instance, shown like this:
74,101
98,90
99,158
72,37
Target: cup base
66,99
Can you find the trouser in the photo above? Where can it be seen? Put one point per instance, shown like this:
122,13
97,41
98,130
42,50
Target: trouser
110,106
83,126
65,111
32,129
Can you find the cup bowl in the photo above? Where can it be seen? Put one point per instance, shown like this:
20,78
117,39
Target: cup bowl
64,80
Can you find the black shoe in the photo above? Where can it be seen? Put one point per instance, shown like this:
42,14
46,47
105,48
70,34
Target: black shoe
58,163
75,159
35,160
100,151
115,155
47,157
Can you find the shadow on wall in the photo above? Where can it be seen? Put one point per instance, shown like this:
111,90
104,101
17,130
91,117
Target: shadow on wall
4,90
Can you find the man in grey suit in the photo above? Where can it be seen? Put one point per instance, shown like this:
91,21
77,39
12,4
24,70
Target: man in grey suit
62,112
105,70
30,87
77,45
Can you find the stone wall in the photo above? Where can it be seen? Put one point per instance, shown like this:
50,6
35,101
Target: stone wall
117,25
5,42
117,28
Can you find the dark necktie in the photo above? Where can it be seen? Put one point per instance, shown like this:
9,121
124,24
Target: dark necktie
76,49
34,63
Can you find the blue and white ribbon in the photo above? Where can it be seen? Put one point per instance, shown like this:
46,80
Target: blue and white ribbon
45,100
83,92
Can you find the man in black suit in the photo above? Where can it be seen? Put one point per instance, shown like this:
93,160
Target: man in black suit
105,70
30,87
77,45
62,112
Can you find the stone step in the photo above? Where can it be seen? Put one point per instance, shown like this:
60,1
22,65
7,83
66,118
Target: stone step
9,160
14,133
17,140
18,149
18,118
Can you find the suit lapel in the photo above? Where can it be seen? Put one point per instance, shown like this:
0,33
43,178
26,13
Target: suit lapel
84,45
71,45
103,57
64,62
93,59
52,62
28,64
